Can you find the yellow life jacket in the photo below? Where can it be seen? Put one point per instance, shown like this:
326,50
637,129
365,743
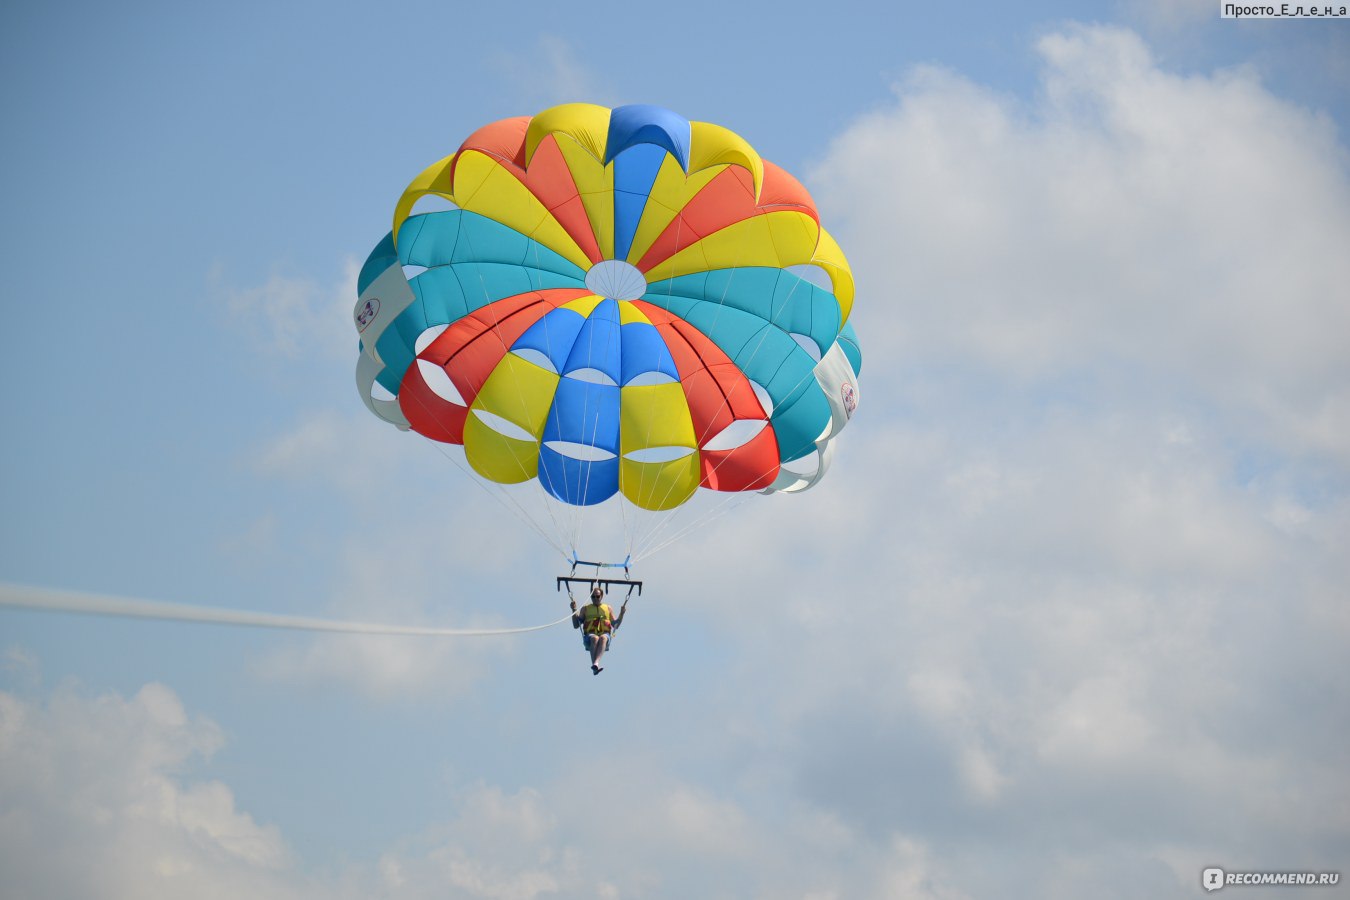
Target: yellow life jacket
597,620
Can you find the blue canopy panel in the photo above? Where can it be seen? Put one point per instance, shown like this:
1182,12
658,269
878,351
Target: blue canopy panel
554,336
642,123
644,350
585,415
598,344
575,481
635,171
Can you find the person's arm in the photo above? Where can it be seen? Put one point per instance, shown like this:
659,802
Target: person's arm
576,616
619,620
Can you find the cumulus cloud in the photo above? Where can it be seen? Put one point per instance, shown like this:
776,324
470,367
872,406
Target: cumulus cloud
649,834
96,805
1160,232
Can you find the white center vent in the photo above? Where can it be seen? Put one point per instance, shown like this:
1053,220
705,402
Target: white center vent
616,279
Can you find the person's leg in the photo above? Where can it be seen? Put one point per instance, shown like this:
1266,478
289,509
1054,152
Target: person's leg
600,641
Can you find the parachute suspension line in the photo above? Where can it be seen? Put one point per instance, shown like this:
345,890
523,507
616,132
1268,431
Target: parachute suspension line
615,339
50,600
497,487
631,527
500,493
654,533
732,501
643,524
651,547
679,523
566,532
728,504
655,524
520,392
567,518
623,499
588,466
764,334
496,491
569,512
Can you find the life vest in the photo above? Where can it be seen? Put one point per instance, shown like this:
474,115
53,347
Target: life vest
597,620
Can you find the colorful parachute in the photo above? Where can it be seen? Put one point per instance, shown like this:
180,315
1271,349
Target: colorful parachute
621,303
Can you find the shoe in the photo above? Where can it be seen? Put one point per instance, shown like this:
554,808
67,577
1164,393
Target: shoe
595,670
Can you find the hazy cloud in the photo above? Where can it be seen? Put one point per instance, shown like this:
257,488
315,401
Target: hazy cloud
1174,14
95,804
100,780
549,72
295,316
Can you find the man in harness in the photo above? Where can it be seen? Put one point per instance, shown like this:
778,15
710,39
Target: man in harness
597,622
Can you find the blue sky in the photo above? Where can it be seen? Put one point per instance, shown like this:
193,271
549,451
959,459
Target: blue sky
1067,618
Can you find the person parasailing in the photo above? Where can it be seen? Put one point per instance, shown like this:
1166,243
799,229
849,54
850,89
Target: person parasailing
597,623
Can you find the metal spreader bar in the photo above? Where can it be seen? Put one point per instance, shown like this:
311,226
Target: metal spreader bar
570,580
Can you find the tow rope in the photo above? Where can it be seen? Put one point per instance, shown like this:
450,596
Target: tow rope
102,605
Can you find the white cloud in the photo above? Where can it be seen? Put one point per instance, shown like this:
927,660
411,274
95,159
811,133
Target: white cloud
645,833
297,317
351,452
95,805
551,72
1158,232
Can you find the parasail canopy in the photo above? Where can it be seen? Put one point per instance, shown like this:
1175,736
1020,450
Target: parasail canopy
622,303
